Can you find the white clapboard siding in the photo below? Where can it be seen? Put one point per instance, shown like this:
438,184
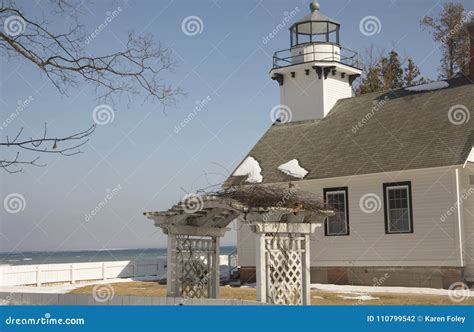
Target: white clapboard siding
17,275
433,242
468,209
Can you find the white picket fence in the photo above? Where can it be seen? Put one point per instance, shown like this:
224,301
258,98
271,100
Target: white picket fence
37,275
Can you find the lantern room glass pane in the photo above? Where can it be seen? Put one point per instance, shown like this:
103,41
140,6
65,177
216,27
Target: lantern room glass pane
334,37
319,28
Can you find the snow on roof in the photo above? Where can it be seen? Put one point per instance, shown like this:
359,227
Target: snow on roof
429,86
293,168
250,168
470,157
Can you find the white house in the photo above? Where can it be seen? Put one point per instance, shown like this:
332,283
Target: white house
396,165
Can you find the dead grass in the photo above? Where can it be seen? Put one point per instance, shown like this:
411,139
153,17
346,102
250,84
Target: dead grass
152,288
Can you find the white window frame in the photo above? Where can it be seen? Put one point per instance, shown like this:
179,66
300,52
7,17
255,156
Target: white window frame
346,230
407,188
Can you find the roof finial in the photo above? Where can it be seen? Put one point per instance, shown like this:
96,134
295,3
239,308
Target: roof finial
314,6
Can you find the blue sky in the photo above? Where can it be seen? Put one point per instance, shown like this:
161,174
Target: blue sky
140,152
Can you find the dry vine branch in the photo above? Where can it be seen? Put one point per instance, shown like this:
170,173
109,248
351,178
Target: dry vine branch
259,196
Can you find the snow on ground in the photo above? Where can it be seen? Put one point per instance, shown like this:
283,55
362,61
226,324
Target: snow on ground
250,168
429,86
380,289
361,297
293,168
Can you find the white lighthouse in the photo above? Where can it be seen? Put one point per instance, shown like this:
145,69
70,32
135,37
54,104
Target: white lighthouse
316,70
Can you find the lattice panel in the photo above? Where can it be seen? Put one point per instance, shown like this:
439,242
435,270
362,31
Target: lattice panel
194,258
284,256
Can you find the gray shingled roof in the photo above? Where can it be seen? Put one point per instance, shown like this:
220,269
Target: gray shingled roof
411,130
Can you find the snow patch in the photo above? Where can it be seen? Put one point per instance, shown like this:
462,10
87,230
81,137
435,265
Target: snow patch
293,168
363,297
429,86
250,168
470,158
382,289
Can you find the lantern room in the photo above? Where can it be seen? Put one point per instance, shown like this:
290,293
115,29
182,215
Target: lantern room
314,28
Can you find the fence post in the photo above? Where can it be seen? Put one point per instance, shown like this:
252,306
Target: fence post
73,281
38,275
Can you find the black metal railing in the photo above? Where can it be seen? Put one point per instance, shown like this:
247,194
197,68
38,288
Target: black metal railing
310,53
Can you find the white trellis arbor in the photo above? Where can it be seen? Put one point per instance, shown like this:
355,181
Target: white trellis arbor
283,250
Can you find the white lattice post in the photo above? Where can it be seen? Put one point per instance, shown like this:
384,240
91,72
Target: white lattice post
306,271
172,264
261,268
215,270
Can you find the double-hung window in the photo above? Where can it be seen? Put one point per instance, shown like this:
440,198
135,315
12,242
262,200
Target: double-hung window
337,200
398,208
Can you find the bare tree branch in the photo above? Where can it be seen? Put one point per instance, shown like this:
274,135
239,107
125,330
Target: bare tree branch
65,146
139,69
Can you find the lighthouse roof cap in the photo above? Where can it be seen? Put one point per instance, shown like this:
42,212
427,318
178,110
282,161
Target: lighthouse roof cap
305,27
316,15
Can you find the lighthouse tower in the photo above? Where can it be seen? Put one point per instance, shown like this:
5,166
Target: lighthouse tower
316,71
